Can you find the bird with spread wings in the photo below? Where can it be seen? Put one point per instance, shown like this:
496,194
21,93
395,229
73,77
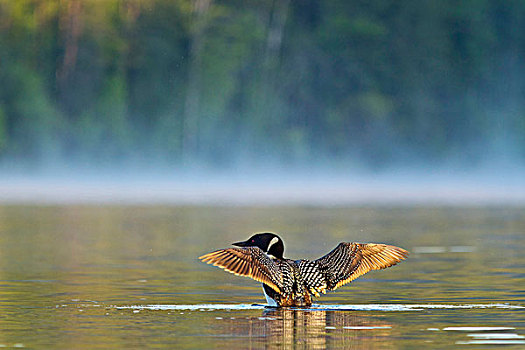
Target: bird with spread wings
291,282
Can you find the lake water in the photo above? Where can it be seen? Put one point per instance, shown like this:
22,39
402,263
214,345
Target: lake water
129,277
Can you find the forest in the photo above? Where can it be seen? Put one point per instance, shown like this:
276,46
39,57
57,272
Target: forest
244,83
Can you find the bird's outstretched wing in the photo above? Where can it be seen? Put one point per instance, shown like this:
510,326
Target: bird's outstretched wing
250,262
348,261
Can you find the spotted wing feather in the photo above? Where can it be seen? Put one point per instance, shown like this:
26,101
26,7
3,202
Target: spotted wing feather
313,277
348,261
250,262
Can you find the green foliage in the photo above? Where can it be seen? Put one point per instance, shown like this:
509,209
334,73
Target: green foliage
33,133
225,82
3,130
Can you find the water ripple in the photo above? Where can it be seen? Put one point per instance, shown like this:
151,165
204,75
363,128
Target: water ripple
343,307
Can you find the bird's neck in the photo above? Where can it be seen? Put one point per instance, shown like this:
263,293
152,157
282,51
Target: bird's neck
276,250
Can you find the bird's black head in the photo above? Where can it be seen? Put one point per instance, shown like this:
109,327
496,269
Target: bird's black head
269,243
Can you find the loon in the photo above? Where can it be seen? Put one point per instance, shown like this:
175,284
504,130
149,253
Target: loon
289,282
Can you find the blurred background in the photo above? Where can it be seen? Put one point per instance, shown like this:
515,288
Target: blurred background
245,89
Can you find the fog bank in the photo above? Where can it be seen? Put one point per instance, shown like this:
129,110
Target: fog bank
270,187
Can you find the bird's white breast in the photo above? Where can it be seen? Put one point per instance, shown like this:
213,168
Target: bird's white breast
269,300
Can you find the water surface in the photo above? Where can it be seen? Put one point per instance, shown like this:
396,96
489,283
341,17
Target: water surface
128,276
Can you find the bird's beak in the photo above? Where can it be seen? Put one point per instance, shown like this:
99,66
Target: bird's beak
241,244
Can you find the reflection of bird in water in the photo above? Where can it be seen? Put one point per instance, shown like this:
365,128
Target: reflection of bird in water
292,282
310,329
